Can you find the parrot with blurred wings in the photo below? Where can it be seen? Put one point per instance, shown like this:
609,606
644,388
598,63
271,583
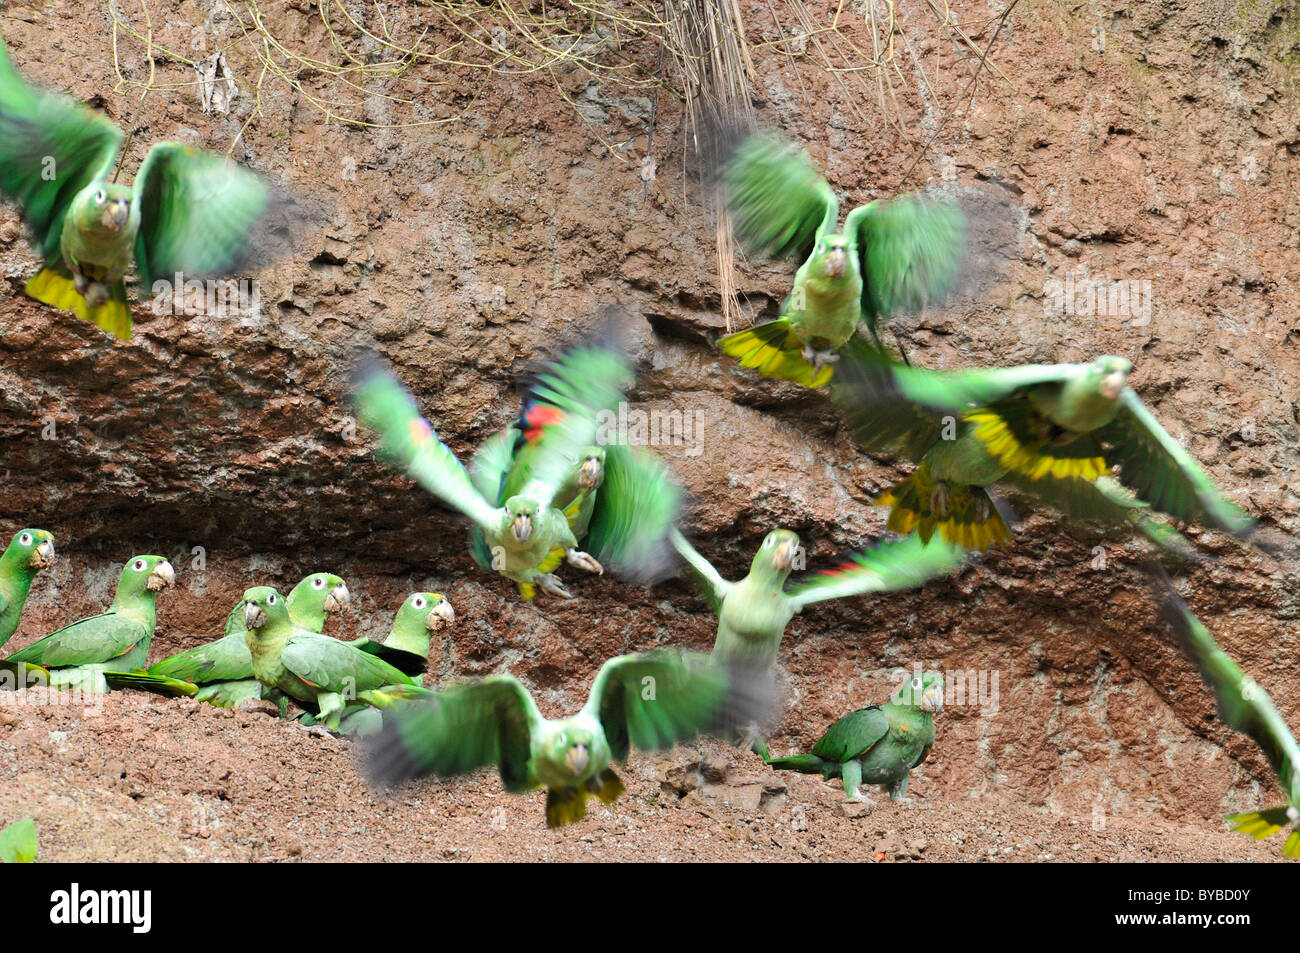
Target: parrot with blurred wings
880,744
893,254
649,700
753,613
189,212
30,551
80,653
1074,437
1245,706
311,668
223,669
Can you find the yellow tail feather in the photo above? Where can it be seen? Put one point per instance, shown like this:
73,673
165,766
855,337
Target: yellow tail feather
972,521
608,787
1003,445
565,808
779,356
58,291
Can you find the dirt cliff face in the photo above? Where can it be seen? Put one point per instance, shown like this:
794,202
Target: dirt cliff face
1148,154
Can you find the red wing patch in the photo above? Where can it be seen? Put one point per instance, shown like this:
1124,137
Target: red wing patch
537,417
421,432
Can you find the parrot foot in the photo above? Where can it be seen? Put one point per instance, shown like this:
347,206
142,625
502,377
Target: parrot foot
95,294
318,730
939,500
578,558
80,282
818,359
856,797
550,584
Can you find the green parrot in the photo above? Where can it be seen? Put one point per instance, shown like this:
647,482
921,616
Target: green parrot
649,700
879,744
1245,706
311,668
30,551
526,535
753,613
407,645
190,212
80,653
18,842
223,670
1074,437
893,254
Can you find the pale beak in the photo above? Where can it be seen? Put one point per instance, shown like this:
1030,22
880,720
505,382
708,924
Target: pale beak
836,262
338,598
577,758
783,559
522,528
117,214
1112,385
590,473
442,614
162,577
932,699
254,617
44,555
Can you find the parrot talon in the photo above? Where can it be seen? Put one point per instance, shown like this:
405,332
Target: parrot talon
550,583
80,282
95,294
818,359
575,557
939,500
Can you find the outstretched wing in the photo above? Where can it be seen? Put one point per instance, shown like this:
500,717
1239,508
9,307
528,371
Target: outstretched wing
407,441
900,564
51,147
652,700
1162,473
707,579
491,463
197,212
869,390
777,199
458,730
911,250
636,506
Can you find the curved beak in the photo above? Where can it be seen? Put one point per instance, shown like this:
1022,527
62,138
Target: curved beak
162,577
44,555
1112,385
932,699
442,614
254,617
783,558
836,261
522,527
577,758
116,214
590,473
338,599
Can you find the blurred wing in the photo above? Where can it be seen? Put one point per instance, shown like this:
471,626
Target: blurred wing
100,638
652,700
491,463
853,735
911,252
1162,473
335,666
407,441
459,730
197,212
900,564
868,390
51,147
777,199
226,659
636,507
18,842
711,585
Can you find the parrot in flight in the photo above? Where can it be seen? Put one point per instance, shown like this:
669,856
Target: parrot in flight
1075,437
1245,706
314,669
30,551
753,613
406,647
223,670
879,744
649,700
190,212
893,254
512,498
77,655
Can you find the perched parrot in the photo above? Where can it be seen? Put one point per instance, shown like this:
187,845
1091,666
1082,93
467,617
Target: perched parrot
512,498
893,254
78,654
753,613
311,668
879,744
1074,437
1245,706
407,645
190,212
30,551
223,670
649,700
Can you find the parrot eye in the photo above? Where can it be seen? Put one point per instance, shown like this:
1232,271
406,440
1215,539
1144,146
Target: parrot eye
270,600
138,565
769,542
318,583
99,197
916,682
418,602
25,539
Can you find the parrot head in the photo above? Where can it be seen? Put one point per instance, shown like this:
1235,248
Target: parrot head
592,472
323,589
521,518
30,549
831,257
777,552
146,574
263,606
924,690
571,751
432,607
105,208
1109,376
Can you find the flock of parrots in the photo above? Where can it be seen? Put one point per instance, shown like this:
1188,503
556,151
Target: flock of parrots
549,491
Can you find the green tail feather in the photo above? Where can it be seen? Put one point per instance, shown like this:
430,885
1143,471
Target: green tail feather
151,683
803,763
53,287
